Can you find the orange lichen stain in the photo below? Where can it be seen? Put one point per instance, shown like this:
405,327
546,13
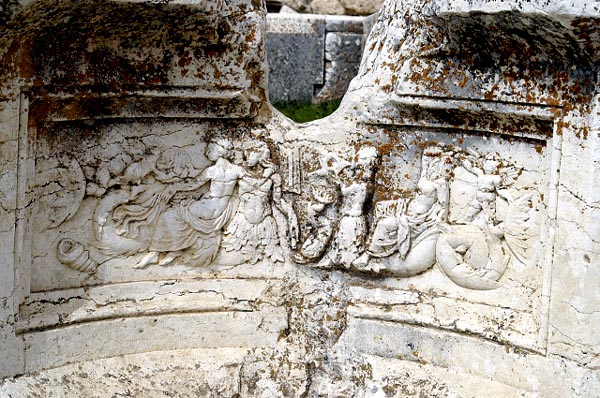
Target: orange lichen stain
555,112
388,88
72,111
529,97
583,132
184,59
560,126
251,36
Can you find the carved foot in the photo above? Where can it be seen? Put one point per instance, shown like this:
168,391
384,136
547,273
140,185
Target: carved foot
325,263
362,264
300,259
168,259
150,258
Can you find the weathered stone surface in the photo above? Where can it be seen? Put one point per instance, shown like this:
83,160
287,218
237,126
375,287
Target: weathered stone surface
298,5
167,232
342,58
295,43
361,7
178,373
335,7
312,58
326,7
345,24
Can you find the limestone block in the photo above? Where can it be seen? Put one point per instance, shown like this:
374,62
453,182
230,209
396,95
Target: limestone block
12,348
342,57
574,299
423,357
146,334
346,24
61,308
295,44
176,373
329,7
361,7
437,236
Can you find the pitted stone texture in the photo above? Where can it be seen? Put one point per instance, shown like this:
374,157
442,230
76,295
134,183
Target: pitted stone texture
295,53
326,7
312,58
342,57
337,7
180,373
435,237
361,7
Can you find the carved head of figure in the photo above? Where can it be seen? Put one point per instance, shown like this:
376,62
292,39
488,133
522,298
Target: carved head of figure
256,152
217,148
366,159
175,164
323,190
437,162
491,163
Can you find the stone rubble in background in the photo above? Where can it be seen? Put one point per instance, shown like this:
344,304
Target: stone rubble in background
336,7
312,58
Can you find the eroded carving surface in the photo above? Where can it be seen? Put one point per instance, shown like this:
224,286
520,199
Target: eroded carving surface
411,234
434,237
157,206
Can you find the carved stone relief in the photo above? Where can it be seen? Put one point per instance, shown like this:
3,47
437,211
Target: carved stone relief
346,228
436,236
216,200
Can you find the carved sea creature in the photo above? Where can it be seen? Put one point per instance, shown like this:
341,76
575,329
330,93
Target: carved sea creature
476,255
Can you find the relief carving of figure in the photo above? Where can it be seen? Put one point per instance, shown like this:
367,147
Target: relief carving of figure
406,230
140,217
321,212
253,230
355,185
475,252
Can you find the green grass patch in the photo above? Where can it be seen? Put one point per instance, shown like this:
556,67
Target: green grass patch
302,112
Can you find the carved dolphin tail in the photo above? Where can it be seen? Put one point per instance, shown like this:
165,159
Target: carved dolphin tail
479,272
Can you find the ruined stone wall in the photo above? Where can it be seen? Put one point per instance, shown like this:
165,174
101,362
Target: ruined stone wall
334,7
313,58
